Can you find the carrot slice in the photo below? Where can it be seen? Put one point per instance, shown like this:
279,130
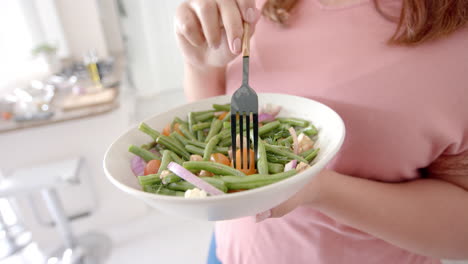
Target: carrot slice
167,130
248,171
152,167
222,116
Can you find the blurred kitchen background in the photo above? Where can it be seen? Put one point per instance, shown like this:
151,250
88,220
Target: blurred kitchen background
73,76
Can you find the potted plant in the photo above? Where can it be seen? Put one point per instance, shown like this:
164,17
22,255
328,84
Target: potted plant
49,53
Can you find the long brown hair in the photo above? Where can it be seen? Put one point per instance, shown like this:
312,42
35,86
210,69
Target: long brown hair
418,21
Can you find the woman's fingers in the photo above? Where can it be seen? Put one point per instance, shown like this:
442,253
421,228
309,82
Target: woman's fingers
248,10
232,22
187,49
208,15
210,32
188,25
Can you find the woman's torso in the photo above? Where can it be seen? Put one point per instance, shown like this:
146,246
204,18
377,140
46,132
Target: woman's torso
402,107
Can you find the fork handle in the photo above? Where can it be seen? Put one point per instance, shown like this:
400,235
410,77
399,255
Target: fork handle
246,40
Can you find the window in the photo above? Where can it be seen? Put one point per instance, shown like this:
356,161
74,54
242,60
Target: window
24,25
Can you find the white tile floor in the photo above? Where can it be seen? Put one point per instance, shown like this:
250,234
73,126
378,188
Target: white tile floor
162,239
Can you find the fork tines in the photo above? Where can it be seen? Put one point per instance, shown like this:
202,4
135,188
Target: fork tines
248,118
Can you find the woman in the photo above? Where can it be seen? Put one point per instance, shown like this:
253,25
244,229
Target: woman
397,73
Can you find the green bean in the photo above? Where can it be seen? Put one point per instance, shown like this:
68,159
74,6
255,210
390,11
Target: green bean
210,147
214,130
143,153
255,180
273,158
186,132
197,144
225,142
149,145
143,127
262,163
227,117
294,121
184,185
159,189
172,125
180,121
205,117
224,107
284,141
166,158
226,133
176,140
312,155
268,127
219,184
307,152
275,168
227,125
223,150
216,168
279,147
149,179
180,138
279,151
168,143
310,131
200,136
201,126
191,121
176,158
197,113
195,150
171,177
285,126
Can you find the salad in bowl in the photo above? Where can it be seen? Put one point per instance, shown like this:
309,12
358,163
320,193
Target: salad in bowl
181,162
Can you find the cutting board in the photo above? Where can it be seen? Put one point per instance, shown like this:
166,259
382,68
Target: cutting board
74,101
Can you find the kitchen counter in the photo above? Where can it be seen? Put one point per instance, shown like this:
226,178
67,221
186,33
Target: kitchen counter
61,115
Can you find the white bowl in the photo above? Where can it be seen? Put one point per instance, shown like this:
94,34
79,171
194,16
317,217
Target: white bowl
330,138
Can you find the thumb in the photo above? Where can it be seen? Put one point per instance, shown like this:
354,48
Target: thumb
280,210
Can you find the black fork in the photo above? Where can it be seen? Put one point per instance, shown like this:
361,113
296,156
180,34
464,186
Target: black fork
244,106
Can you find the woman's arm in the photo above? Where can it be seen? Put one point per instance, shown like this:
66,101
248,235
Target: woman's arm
202,83
426,216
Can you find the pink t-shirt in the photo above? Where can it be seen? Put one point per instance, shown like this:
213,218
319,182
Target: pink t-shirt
402,106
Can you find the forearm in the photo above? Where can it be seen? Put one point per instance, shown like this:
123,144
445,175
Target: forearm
429,217
203,83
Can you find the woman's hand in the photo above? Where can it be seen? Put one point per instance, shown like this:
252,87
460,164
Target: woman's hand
209,32
308,195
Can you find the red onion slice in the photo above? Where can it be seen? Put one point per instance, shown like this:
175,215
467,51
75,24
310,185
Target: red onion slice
155,152
290,165
193,179
265,117
138,166
295,141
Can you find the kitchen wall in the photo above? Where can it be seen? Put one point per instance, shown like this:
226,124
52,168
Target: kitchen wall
82,27
154,62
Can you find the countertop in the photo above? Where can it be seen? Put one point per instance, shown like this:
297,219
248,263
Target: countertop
62,115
